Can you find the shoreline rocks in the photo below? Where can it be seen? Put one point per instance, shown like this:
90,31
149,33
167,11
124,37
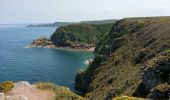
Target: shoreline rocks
44,42
88,61
23,90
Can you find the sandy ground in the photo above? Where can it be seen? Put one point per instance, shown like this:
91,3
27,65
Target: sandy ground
29,92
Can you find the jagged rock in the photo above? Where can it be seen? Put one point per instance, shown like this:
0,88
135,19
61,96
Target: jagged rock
23,83
47,43
42,42
151,78
87,62
157,71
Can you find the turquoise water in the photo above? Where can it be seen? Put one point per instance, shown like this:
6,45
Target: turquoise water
36,64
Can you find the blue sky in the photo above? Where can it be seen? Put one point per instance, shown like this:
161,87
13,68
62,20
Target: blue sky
45,11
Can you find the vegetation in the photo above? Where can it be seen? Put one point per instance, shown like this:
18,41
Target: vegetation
62,93
161,92
121,63
6,86
97,22
45,85
80,34
55,24
163,88
126,98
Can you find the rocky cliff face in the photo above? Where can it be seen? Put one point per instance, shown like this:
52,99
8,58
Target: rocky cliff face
133,59
156,73
80,34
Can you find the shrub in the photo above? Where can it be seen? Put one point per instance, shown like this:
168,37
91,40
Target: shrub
126,98
161,92
163,88
6,86
45,85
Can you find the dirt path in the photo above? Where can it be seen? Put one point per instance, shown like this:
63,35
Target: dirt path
25,91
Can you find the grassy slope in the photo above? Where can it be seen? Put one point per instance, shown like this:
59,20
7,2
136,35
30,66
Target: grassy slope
62,93
117,68
80,33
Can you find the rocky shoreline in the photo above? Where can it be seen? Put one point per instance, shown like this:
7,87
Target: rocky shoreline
23,90
47,43
41,43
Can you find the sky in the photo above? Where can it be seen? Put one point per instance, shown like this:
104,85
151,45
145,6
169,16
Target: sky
48,11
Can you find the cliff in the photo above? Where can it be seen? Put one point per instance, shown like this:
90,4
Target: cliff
80,34
133,59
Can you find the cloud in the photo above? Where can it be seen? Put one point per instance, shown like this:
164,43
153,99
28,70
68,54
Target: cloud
35,11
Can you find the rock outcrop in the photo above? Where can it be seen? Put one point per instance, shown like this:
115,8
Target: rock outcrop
42,43
157,72
23,90
47,43
80,35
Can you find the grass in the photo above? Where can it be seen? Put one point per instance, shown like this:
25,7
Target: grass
163,87
127,98
62,93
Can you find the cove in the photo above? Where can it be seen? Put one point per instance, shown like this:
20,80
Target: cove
37,64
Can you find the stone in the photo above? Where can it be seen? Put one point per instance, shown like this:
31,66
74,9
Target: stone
24,83
2,96
42,43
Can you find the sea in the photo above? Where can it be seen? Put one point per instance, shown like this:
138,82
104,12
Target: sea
18,63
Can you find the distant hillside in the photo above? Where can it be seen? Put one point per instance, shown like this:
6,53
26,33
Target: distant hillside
133,59
55,24
80,34
96,22
69,23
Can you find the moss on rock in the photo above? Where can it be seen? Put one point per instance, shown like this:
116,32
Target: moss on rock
6,86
